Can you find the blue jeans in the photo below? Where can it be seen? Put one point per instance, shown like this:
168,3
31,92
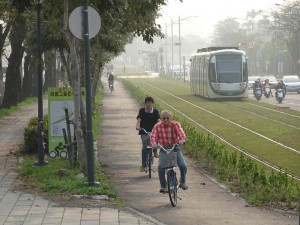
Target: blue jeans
145,142
180,163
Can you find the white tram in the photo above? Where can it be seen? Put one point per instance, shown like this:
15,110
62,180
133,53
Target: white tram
219,72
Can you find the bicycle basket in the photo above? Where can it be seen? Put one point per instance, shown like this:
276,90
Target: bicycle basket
168,160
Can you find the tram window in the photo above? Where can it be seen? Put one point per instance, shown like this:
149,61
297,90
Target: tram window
212,72
229,71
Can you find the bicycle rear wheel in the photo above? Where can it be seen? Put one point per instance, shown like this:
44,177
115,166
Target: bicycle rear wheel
172,187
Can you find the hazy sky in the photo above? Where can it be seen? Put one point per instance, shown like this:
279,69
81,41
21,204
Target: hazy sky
208,13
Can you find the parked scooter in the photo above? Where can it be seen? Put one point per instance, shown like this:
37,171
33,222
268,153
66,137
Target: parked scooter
267,92
279,95
258,93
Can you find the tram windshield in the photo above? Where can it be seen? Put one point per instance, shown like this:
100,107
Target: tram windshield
229,68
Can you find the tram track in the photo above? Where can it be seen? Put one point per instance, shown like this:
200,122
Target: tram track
255,105
265,117
277,111
234,146
229,121
259,115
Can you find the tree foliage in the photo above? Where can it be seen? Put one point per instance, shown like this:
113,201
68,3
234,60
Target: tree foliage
284,25
227,33
121,20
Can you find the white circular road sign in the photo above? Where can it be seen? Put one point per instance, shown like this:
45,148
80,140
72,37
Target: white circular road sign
76,22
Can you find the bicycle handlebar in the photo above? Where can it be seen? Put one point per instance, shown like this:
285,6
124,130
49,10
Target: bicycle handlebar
149,133
167,150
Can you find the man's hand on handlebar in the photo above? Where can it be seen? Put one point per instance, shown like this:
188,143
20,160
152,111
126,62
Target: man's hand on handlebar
155,146
181,142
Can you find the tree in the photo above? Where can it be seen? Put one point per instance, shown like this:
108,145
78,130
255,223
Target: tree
227,33
121,21
17,34
284,24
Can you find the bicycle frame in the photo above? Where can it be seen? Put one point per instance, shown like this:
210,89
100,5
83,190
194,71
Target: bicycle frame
111,86
150,158
172,181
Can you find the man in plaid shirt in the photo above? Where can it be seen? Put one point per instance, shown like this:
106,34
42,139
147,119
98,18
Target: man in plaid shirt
167,133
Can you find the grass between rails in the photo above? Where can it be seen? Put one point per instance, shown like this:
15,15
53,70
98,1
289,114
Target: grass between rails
257,184
60,180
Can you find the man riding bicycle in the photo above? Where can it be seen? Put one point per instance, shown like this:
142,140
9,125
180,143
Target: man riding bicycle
168,133
146,118
111,79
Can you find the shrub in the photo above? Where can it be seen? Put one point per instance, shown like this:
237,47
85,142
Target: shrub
30,145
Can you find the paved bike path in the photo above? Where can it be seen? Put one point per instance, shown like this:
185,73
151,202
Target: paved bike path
205,202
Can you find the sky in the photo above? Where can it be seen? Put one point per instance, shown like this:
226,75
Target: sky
206,13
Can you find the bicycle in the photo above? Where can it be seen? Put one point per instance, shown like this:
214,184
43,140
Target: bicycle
111,86
169,164
150,158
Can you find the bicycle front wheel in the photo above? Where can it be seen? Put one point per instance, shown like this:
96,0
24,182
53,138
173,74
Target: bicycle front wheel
149,161
172,187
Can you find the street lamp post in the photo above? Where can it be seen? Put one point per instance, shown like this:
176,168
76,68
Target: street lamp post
179,39
172,45
41,147
166,68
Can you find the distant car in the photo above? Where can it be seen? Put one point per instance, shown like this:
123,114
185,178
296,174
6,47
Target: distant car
251,80
292,83
179,72
272,80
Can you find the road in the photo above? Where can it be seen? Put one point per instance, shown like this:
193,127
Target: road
205,202
291,100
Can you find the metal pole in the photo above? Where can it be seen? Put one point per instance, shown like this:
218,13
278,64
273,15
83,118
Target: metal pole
89,135
183,58
179,45
41,150
172,46
166,69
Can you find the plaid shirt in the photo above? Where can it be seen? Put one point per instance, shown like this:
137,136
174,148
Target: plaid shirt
162,134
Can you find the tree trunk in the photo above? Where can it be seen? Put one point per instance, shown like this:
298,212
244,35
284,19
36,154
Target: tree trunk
27,84
75,72
12,94
3,36
75,75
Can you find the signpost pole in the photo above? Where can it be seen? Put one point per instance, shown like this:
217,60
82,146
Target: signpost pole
89,135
